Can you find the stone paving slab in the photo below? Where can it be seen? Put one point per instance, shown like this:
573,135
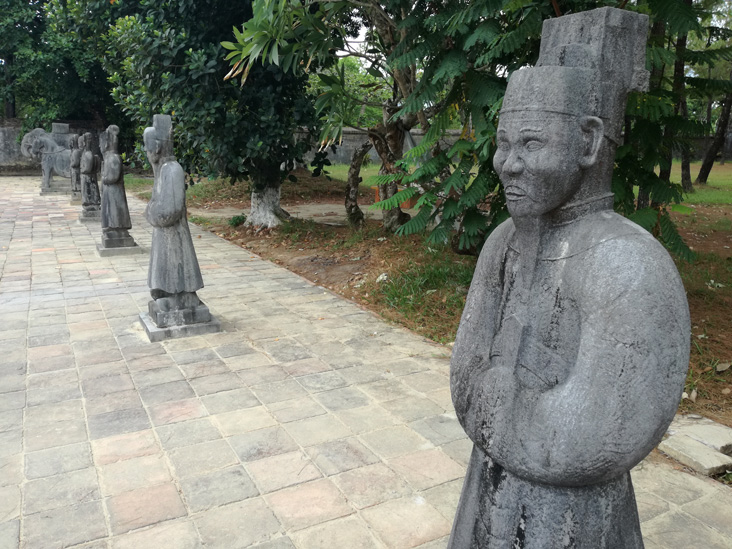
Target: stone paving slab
307,422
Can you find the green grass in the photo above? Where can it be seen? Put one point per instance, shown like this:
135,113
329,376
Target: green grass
718,189
368,173
138,184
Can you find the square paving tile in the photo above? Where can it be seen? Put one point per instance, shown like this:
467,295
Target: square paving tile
166,392
351,532
143,507
174,534
283,470
370,485
118,422
316,430
186,433
55,461
308,504
10,534
202,458
228,401
133,473
122,447
57,433
223,527
244,421
178,410
9,503
262,443
293,410
344,398
341,455
65,526
406,522
217,488
209,385
60,491
395,441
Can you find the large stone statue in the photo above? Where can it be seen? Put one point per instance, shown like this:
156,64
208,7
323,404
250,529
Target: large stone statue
174,275
75,168
88,167
116,221
52,151
573,347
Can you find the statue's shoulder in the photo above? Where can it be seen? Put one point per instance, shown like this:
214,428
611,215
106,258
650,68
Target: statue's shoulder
172,170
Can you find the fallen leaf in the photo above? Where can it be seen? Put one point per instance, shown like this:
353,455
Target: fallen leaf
692,396
723,366
726,391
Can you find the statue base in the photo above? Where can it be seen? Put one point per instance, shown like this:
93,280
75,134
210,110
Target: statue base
117,239
56,189
179,316
155,333
126,250
75,198
87,216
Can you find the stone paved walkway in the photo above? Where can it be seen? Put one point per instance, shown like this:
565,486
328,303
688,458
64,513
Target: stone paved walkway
307,423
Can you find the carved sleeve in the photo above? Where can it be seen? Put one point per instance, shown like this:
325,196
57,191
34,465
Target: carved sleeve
112,169
624,387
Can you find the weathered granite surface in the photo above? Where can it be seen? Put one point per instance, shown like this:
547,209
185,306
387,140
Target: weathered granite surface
573,347
116,221
89,167
174,275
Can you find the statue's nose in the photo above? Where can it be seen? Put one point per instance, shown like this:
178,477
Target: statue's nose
514,164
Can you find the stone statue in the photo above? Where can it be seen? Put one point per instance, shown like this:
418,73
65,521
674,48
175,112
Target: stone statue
75,167
88,167
54,157
573,347
115,213
174,275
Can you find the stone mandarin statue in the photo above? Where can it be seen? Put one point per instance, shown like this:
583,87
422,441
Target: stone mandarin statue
89,166
116,221
75,166
174,275
573,347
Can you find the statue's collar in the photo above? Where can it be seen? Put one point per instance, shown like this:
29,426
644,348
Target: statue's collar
569,213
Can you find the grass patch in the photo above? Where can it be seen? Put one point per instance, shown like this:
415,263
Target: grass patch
202,221
368,173
209,191
429,292
718,189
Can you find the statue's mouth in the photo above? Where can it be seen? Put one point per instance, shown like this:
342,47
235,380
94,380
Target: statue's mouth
514,193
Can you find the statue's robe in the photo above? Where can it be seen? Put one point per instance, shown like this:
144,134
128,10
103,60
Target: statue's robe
173,263
567,369
115,212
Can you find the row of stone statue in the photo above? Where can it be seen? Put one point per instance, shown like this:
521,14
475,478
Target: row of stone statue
174,275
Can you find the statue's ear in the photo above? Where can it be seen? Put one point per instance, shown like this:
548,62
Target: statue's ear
592,133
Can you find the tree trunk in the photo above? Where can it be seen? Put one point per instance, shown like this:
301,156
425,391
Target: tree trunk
717,142
266,211
388,140
686,158
9,98
353,212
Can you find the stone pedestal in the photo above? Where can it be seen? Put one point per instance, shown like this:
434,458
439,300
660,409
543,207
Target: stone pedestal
57,187
156,333
111,252
90,216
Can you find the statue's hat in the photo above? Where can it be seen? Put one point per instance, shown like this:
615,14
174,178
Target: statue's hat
588,63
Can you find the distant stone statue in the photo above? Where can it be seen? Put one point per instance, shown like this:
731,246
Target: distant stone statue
75,167
88,167
573,347
53,156
174,276
116,221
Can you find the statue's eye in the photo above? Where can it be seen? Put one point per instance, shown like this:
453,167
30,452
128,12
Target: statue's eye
533,144
503,145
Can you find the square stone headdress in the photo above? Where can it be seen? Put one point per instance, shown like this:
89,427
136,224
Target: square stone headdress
588,63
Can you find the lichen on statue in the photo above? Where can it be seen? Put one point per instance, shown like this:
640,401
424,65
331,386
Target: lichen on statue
573,347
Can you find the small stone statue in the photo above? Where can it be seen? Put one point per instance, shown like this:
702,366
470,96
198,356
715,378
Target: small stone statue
75,164
89,166
174,275
573,347
116,221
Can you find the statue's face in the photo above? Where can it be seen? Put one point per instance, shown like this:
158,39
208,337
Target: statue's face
152,146
538,161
